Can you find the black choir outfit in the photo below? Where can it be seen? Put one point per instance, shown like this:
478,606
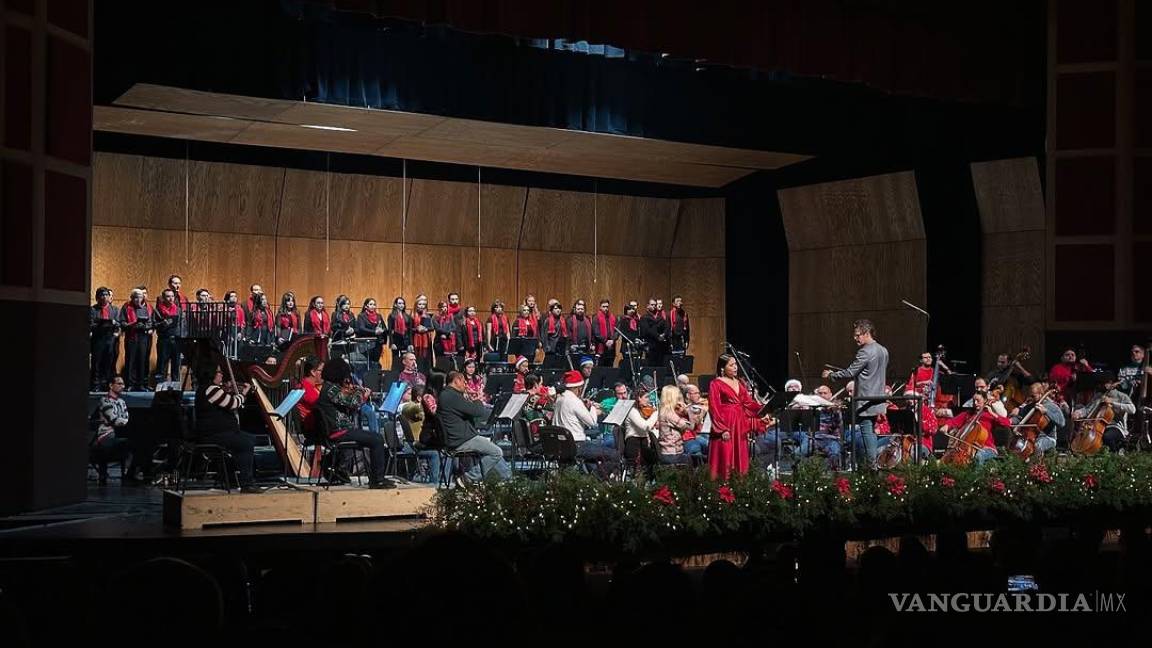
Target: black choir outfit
580,338
501,332
260,328
343,325
138,325
103,326
630,326
472,335
447,335
370,324
603,330
678,330
167,323
654,332
399,335
287,327
553,335
318,322
422,342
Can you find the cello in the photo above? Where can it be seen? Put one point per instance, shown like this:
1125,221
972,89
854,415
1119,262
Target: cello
1089,435
962,447
1023,444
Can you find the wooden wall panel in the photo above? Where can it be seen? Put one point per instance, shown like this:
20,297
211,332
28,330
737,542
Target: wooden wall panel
707,343
557,221
445,213
111,204
701,283
1009,195
700,228
852,212
863,277
302,206
365,207
826,338
1014,268
634,225
234,197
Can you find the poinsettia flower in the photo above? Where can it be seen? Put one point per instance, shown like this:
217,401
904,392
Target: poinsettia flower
1090,481
896,485
782,489
843,486
1039,473
664,495
726,494
998,486
947,482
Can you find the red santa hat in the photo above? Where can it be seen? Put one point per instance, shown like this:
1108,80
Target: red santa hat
520,360
573,379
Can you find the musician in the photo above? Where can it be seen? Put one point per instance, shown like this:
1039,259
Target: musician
695,441
586,366
472,334
370,324
921,377
217,421
343,321
522,368
423,332
619,393
137,322
831,428
474,382
1046,438
679,331
458,416
317,320
497,330
287,318
174,283
995,404
869,371
674,422
1007,368
400,330
311,380
447,333
340,400
734,417
110,415
167,322
1122,406
604,334
987,420
253,290
103,336
410,371
553,331
1129,374
654,331
573,414
1063,376
580,339
641,427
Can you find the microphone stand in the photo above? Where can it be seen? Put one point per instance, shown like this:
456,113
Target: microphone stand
754,377
631,356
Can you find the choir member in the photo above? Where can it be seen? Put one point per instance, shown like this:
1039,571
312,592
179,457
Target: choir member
203,296
579,329
454,308
167,323
424,331
472,334
370,324
287,318
343,321
400,330
262,324
497,331
533,310
553,331
630,326
525,325
103,336
447,333
733,411
174,283
604,334
654,332
230,304
253,290
679,330
660,313
138,324
317,320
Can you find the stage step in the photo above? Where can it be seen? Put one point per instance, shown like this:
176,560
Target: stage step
350,502
196,509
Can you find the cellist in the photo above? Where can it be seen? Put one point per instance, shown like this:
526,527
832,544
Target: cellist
987,420
1122,406
1046,437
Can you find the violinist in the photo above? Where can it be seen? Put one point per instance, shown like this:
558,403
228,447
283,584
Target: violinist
986,420
640,430
217,406
1110,395
340,400
1046,437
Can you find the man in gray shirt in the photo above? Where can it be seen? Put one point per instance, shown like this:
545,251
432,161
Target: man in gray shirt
458,417
870,371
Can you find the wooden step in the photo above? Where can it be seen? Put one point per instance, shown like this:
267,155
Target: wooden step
350,502
199,508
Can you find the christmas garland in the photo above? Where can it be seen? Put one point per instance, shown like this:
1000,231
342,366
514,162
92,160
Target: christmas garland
687,504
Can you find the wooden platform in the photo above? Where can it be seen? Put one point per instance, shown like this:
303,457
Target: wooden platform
197,509
348,502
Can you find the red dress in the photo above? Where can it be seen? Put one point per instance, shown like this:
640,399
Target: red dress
734,413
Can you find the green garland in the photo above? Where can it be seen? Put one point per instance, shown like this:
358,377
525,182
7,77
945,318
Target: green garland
682,504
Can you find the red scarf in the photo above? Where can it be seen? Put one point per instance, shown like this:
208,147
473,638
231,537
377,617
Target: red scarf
633,323
399,325
239,317
453,310
287,320
261,319
447,341
660,314
345,316
373,317
105,312
472,332
169,310
518,383
320,323
421,340
525,327
499,324
606,324
672,317
552,325
130,311
581,329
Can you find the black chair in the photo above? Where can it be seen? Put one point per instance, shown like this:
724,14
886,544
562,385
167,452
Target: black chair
204,461
526,450
557,447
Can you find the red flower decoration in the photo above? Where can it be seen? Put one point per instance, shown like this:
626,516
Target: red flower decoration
896,485
1039,473
782,489
664,495
947,482
726,494
998,486
844,487
1090,481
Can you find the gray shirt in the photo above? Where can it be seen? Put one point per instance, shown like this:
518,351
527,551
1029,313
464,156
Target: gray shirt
870,371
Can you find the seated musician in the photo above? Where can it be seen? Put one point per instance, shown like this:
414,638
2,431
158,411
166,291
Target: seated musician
413,414
1122,406
640,430
586,365
1062,376
619,393
111,415
474,382
217,406
1008,370
674,420
830,424
458,417
695,441
343,321
1046,438
410,372
522,369
1130,376
311,381
995,404
765,444
340,400
956,425
572,414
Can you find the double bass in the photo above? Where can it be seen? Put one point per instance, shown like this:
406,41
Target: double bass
1013,392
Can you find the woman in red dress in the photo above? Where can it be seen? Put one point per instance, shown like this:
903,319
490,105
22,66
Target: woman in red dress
733,412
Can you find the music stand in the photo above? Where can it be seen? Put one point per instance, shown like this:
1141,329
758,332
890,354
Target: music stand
804,421
501,383
446,363
523,346
779,401
603,377
395,396
963,385
683,364
556,361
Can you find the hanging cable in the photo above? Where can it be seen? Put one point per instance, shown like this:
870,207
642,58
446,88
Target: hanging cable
327,209
403,220
477,222
595,229
187,220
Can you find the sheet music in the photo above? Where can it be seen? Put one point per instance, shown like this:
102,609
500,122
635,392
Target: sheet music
619,412
290,401
706,427
395,394
513,406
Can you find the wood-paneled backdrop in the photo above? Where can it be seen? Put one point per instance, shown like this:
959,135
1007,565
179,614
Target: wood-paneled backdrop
856,249
319,233
1012,220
